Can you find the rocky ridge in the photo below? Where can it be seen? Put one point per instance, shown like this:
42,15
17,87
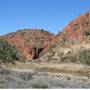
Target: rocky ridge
31,43
78,29
37,43
73,44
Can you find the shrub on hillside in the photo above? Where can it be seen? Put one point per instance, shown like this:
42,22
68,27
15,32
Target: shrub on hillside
85,57
87,32
8,53
82,57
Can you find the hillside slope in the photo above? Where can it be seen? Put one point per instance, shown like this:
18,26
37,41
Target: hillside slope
8,53
73,44
77,30
30,42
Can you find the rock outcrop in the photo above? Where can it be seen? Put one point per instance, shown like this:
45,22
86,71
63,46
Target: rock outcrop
31,43
79,29
73,44
34,43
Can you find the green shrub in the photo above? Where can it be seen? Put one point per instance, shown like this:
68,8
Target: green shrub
81,57
39,86
42,30
87,32
8,53
84,56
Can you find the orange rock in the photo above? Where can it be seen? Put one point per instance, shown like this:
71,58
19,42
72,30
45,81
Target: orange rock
30,42
76,29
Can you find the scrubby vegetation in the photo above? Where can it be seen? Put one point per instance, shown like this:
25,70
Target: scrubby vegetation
42,30
87,32
85,57
8,53
39,86
81,57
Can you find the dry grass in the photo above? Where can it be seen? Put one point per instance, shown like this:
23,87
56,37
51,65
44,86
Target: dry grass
77,69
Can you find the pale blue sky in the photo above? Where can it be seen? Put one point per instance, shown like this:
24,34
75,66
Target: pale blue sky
51,15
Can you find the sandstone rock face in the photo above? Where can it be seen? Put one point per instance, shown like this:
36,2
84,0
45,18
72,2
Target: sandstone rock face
78,29
73,44
30,42
33,43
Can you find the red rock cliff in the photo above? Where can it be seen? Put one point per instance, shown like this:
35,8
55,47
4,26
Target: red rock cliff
30,42
78,29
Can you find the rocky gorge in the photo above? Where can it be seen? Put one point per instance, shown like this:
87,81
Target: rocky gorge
36,58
